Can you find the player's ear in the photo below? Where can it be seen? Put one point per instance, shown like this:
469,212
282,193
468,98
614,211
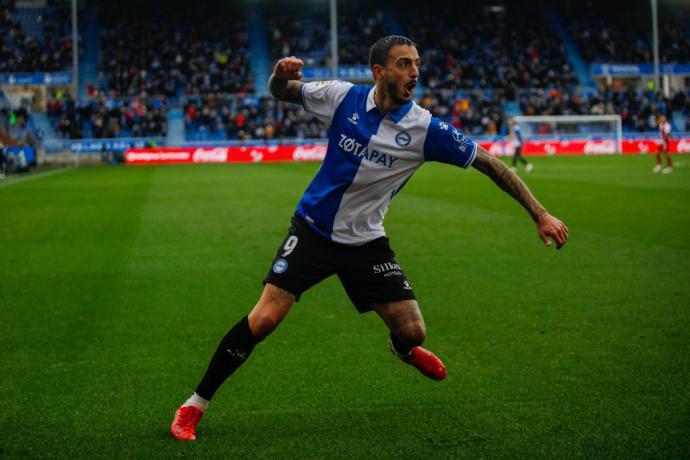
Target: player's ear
377,70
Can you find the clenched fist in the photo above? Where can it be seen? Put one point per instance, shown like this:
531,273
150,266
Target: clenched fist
289,68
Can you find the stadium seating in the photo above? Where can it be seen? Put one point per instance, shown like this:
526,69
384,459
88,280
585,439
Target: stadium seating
219,117
48,47
106,117
605,35
486,48
196,60
190,52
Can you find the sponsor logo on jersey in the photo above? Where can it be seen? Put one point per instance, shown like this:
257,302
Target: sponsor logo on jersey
403,138
463,143
350,145
354,118
280,266
443,126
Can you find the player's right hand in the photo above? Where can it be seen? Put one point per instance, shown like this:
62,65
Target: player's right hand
550,227
289,68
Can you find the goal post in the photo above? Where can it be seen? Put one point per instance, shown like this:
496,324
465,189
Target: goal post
565,127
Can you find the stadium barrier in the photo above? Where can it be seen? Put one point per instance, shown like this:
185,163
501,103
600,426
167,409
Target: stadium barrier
317,151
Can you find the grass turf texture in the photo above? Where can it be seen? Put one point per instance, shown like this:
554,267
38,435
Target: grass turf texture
117,284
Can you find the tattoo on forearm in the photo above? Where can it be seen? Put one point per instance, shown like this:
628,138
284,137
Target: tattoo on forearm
286,90
508,181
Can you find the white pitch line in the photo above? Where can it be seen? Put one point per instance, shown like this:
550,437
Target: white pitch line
13,180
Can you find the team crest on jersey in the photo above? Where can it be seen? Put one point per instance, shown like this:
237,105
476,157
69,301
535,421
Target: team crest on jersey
403,139
280,266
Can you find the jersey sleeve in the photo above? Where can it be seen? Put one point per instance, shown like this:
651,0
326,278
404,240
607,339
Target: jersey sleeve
448,145
322,98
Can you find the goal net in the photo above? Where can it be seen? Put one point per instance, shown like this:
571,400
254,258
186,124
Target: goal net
606,130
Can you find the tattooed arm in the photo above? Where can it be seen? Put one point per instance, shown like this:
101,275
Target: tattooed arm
547,225
284,84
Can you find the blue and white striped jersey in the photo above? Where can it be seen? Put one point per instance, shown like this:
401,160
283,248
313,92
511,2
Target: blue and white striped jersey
370,157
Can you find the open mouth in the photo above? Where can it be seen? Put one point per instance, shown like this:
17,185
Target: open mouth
409,88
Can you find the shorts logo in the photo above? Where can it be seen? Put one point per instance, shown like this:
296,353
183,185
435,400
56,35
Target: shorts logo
406,285
280,266
403,138
387,269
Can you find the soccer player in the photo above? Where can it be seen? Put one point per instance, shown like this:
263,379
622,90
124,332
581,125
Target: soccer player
665,132
3,161
378,137
517,142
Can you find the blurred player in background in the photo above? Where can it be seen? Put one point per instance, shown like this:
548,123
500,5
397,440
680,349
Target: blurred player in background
378,137
3,161
665,132
517,142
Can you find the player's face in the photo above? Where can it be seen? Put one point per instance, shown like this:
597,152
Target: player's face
401,73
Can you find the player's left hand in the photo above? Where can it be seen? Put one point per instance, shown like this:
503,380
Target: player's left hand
550,227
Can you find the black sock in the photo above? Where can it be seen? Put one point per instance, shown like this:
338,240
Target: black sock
399,346
232,351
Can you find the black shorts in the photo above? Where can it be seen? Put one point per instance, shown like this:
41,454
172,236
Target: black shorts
369,273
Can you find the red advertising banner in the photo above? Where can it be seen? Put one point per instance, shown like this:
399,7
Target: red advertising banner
587,147
261,154
316,152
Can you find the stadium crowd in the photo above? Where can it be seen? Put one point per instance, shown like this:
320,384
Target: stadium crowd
241,117
107,117
603,34
472,65
487,48
180,55
306,34
638,111
22,52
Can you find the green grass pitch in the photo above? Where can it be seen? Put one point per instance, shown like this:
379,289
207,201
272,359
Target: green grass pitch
116,284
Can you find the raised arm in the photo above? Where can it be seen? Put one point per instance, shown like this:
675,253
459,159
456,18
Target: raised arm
547,225
284,84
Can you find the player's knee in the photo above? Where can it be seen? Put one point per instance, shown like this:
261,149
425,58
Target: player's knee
412,333
262,323
270,310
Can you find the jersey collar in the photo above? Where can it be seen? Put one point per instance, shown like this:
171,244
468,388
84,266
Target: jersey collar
395,115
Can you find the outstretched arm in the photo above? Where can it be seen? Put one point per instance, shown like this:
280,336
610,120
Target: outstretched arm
284,84
547,225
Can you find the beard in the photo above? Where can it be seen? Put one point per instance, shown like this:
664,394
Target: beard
395,94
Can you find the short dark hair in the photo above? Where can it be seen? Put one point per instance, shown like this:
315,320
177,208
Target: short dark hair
378,53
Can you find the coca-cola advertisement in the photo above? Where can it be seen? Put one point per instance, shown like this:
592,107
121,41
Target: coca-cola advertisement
244,154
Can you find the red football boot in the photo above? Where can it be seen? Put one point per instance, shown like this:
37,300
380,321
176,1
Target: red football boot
184,425
425,361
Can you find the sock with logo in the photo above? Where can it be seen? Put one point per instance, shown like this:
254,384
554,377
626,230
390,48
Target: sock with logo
232,351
